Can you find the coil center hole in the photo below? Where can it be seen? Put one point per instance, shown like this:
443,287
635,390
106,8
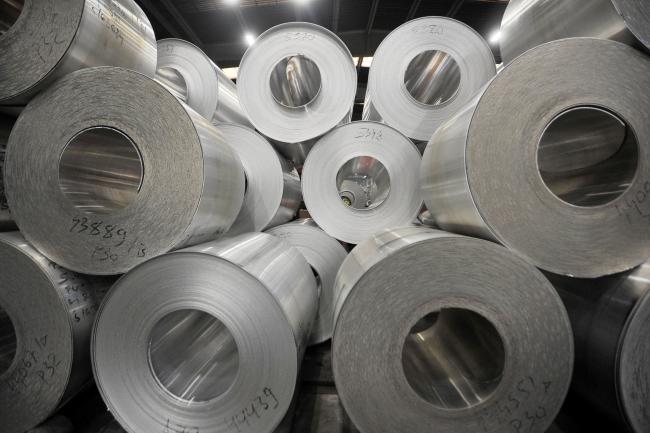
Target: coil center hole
172,79
193,355
453,358
10,10
588,156
363,183
295,81
100,171
432,78
8,341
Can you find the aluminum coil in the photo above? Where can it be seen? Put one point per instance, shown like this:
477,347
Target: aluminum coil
325,255
51,38
6,222
272,183
193,78
361,178
564,179
46,316
297,82
436,333
611,318
208,339
113,183
528,23
423,72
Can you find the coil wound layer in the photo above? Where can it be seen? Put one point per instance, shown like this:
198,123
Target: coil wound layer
51,38
118,181
440,333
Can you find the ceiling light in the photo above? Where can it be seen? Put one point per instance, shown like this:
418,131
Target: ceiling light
495,37
249,38
231,2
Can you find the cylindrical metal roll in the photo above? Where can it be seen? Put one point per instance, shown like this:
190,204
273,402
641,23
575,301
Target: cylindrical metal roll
361,178
297,82
564,179
208,339
297,152
423,72
193,78
46,316
325,255
611,318
6,222
272,183
120,172
49,38
528,23
436,332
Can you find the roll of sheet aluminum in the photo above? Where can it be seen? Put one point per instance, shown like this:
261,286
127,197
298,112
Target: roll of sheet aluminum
564,179
272,183
361,178
325,255
207,339
611,318
528,23
297,82
50,38
46,316
423,72
6,223
193,78
126,172
436,332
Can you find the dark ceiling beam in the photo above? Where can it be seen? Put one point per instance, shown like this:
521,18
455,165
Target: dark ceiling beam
160,18
414,9
194,38
455,8
336,12
371,21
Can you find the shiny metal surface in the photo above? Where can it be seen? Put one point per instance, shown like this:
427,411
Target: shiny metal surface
223,326
186,71
51,39
610,317
120,183
273,193
423,72
485,181
6,222
528,23
297,82
361,178
435,329
325,255
432,77
10,10
49,311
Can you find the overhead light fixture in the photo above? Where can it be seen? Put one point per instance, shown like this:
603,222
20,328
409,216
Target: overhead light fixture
495,37
249,38
231,2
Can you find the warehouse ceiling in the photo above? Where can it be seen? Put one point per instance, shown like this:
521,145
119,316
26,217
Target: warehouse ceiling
220,27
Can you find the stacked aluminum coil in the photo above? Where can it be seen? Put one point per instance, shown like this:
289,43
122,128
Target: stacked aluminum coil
143,160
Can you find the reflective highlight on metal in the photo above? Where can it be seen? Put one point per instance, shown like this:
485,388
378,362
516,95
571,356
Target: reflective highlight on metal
132,184
610,318
432,77
53,38
46,316
626,21
360,178
453,358
273,193
6,221
587,156
255,286
580,215
100,171
435,329
10,10
186,71
325,255
423,72
295,81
